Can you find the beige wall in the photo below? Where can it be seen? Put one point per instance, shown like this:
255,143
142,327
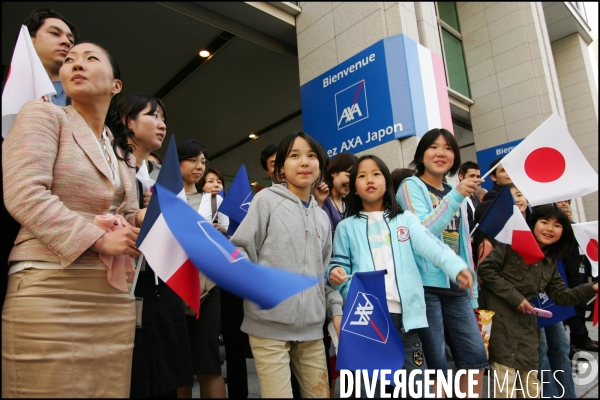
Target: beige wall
580,100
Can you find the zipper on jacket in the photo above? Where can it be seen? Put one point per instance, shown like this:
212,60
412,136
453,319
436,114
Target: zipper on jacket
302,302
395,274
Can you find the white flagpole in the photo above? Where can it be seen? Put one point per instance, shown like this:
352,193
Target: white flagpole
137,273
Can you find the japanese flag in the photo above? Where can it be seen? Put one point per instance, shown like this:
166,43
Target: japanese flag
548,166
27,80
587,237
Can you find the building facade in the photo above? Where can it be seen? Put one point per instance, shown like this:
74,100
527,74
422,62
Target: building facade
509,66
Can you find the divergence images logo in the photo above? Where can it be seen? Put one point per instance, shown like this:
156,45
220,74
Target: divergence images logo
367,319
351,105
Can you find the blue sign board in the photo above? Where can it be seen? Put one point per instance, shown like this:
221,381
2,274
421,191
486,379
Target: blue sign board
394,89
487,156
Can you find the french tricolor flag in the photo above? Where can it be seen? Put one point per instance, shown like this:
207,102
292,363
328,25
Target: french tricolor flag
428,88
504,222
161,249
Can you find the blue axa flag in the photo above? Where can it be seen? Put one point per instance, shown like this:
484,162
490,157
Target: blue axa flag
221,261
368,337
237,202
559,313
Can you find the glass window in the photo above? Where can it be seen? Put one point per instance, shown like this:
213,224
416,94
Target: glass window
447,13
455,63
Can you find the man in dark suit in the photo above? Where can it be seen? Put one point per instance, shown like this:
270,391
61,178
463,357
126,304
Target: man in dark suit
470,169
500,178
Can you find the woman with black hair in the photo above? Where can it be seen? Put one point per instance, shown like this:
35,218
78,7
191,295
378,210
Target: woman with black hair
68,321
203,332
508,285
161,355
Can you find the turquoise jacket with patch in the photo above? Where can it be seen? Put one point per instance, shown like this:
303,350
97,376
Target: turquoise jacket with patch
410,239
413,196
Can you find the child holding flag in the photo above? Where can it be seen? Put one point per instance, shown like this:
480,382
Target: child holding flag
286,228
378,235
508,284
442,209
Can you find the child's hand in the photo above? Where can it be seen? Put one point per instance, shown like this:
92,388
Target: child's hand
337,323
467,186
595,287
525,307
465,278
321,191
337,276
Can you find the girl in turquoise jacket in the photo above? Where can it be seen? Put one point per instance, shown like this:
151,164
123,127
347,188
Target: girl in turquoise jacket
442,210
377,235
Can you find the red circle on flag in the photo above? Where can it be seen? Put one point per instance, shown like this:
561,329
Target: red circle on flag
545,165
592,250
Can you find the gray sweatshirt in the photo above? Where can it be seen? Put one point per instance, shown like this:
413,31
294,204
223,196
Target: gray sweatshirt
281,232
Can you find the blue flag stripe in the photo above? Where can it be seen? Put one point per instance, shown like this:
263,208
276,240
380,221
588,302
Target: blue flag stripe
170,178
498,213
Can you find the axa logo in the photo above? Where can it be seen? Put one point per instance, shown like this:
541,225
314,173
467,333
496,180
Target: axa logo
246,203
351,105
367,319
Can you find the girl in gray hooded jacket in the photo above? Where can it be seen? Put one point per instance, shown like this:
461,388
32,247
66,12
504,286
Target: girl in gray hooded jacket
285,228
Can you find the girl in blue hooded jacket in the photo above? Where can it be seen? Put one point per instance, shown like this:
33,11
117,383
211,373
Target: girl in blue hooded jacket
442,210
378,235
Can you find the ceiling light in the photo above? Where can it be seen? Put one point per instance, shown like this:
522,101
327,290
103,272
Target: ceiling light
252,136
204,53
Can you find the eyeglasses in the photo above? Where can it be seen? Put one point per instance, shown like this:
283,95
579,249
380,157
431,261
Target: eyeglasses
197,160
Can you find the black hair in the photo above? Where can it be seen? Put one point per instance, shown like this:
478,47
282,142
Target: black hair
467,165
479,236
561,248
390,205
37,18
426,141
493,164
339,163
190,149
399,175
285,147
130,107
202,180
266,154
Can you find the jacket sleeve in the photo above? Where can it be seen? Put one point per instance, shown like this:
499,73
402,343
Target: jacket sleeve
251,233
334,301
411,197
489,272
341,254
435,251
563,296
28,156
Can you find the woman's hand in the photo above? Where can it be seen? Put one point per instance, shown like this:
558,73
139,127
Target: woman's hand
337,276
220,228
321,191
147,197
525,307
465,278
119,242
467,186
